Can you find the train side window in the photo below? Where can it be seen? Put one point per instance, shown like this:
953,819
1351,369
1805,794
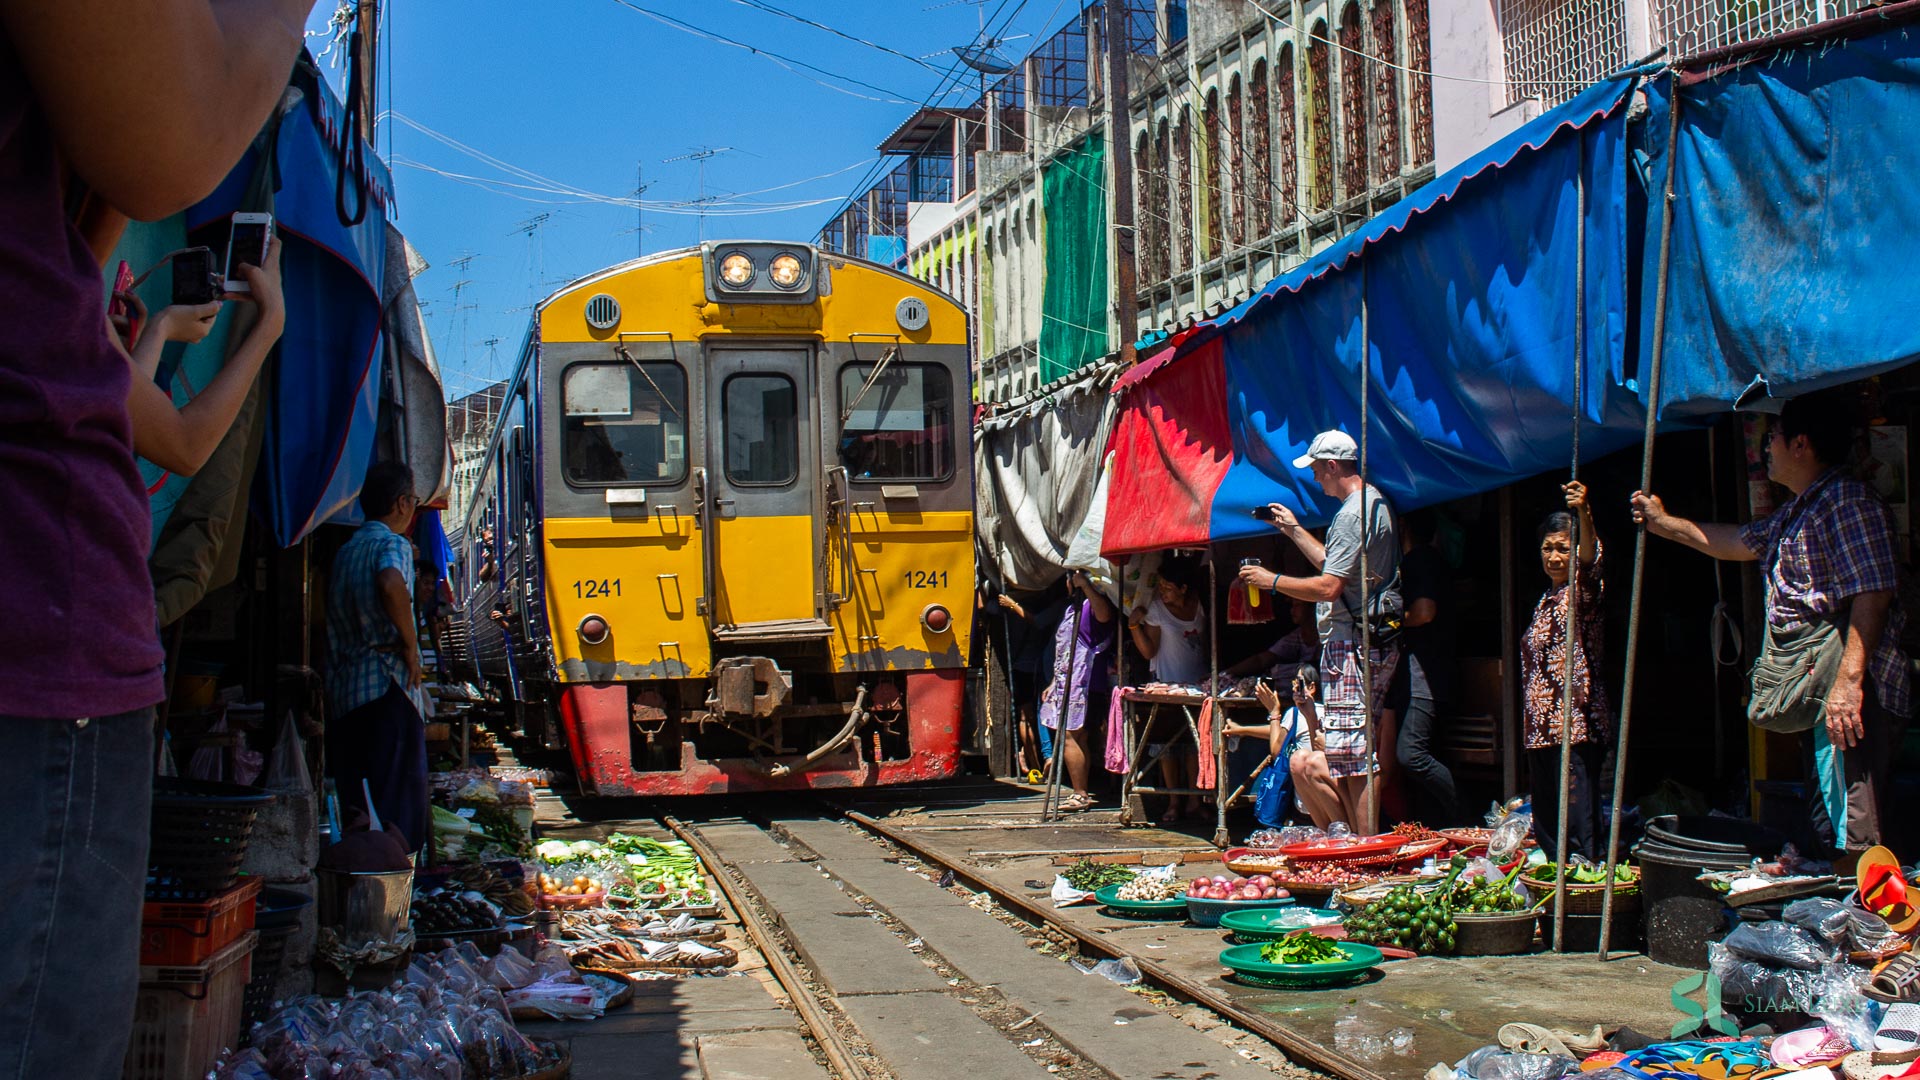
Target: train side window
763,430
901,427
624,424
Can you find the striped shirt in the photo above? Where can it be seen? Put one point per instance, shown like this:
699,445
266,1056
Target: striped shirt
1840,546
366,646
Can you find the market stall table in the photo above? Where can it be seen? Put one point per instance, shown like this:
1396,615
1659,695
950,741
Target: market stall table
1141,710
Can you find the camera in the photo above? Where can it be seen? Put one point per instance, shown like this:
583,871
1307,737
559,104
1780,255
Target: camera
1264,513
196,277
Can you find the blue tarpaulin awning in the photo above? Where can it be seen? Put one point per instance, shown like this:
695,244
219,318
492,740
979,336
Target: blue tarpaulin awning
323,389
1470,288
1796,233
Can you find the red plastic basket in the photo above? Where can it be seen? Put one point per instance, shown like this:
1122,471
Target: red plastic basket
186,1015
177,933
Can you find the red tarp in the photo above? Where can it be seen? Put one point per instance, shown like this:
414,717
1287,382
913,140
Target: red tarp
1171,448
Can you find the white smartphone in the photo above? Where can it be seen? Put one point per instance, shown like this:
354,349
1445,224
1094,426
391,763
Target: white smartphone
252,234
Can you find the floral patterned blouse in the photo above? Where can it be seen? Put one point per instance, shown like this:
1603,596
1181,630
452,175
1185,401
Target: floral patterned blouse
1543,661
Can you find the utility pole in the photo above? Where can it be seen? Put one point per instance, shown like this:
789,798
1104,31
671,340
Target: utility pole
1120,152
367,18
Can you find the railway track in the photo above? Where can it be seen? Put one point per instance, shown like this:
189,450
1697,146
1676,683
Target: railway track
897,977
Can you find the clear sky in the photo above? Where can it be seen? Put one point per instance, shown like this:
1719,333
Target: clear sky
567,97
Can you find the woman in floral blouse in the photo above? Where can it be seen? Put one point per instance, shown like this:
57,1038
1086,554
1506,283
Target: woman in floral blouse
1542,670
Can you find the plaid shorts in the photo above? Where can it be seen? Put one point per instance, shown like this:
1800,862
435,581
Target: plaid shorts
1343,707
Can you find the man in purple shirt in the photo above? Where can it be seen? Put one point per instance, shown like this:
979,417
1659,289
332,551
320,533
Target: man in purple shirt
146,106
1828,553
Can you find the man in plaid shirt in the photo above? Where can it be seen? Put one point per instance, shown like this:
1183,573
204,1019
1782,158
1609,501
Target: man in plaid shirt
377,730
1829,553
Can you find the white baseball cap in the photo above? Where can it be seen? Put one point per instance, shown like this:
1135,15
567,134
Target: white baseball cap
1329,446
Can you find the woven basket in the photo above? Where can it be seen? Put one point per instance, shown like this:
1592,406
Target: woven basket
1588,899
1506,933
679,965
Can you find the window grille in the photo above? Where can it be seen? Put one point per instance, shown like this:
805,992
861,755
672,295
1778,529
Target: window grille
1163,203
1010,101
932,177
1147,226
1060,68
1182,183
1215,167
1260,121
889,202
1688,27
1286,126
1355,146
1386,94
1420,59
1319,121
1234,168
1556,47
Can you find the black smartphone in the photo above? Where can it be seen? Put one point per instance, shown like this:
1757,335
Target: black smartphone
1264,513
196,277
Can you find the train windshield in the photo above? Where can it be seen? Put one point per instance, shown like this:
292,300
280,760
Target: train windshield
900,427
624,424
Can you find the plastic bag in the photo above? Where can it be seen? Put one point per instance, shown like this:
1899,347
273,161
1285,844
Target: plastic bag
1827,919
1759,987
1781,945
1508,836
1065,895
1494,1063
1839,1002
1869,932
287,769
1122,970
510,971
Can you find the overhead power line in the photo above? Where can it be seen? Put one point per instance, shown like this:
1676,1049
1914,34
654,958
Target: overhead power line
759,5
892,97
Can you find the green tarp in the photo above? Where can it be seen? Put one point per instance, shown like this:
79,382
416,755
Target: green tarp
1073,304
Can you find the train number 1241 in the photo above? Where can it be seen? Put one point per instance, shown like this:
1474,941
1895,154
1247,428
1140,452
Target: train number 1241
926,579
590,590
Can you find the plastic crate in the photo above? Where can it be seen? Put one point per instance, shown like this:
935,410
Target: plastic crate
184,1016
186,932
198,836
269,956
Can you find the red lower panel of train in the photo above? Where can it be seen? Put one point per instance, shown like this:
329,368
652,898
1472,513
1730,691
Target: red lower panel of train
598,722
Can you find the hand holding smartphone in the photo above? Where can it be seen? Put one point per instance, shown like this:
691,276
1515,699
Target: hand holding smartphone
247,245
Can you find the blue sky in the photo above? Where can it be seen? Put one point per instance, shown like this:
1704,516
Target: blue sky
592,88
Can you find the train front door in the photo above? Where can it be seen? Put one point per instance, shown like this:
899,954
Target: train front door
763,456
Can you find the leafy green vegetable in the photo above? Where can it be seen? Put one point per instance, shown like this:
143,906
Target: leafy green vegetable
1088,876
1302,947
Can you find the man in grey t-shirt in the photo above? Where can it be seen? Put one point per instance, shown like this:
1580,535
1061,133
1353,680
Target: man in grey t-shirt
1334,775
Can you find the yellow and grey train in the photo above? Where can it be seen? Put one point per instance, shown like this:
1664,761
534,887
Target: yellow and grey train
723,537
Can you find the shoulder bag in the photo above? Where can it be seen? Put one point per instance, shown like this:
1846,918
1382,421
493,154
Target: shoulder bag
1796,668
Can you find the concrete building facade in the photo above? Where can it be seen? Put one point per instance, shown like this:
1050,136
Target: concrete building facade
1261,132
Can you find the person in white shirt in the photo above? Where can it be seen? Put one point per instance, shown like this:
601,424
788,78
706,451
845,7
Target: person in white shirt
1171,632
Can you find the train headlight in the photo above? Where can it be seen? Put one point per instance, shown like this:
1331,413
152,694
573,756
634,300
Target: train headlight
937,619
594,630
736,271
785,270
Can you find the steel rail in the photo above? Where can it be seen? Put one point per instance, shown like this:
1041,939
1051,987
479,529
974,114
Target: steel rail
844,1064
1297,1047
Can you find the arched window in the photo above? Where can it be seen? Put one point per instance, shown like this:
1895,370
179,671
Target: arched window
1286,133
1386,94
1420,59
1146,222
1233,167
1355,145
1163,200
1319,122
1183,246
1211,173
1260,153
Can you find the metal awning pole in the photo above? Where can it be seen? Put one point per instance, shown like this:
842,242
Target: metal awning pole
1640,534
1572,607
1366,584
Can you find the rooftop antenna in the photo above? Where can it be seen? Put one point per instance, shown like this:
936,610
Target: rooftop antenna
701,155
639,229
530,229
